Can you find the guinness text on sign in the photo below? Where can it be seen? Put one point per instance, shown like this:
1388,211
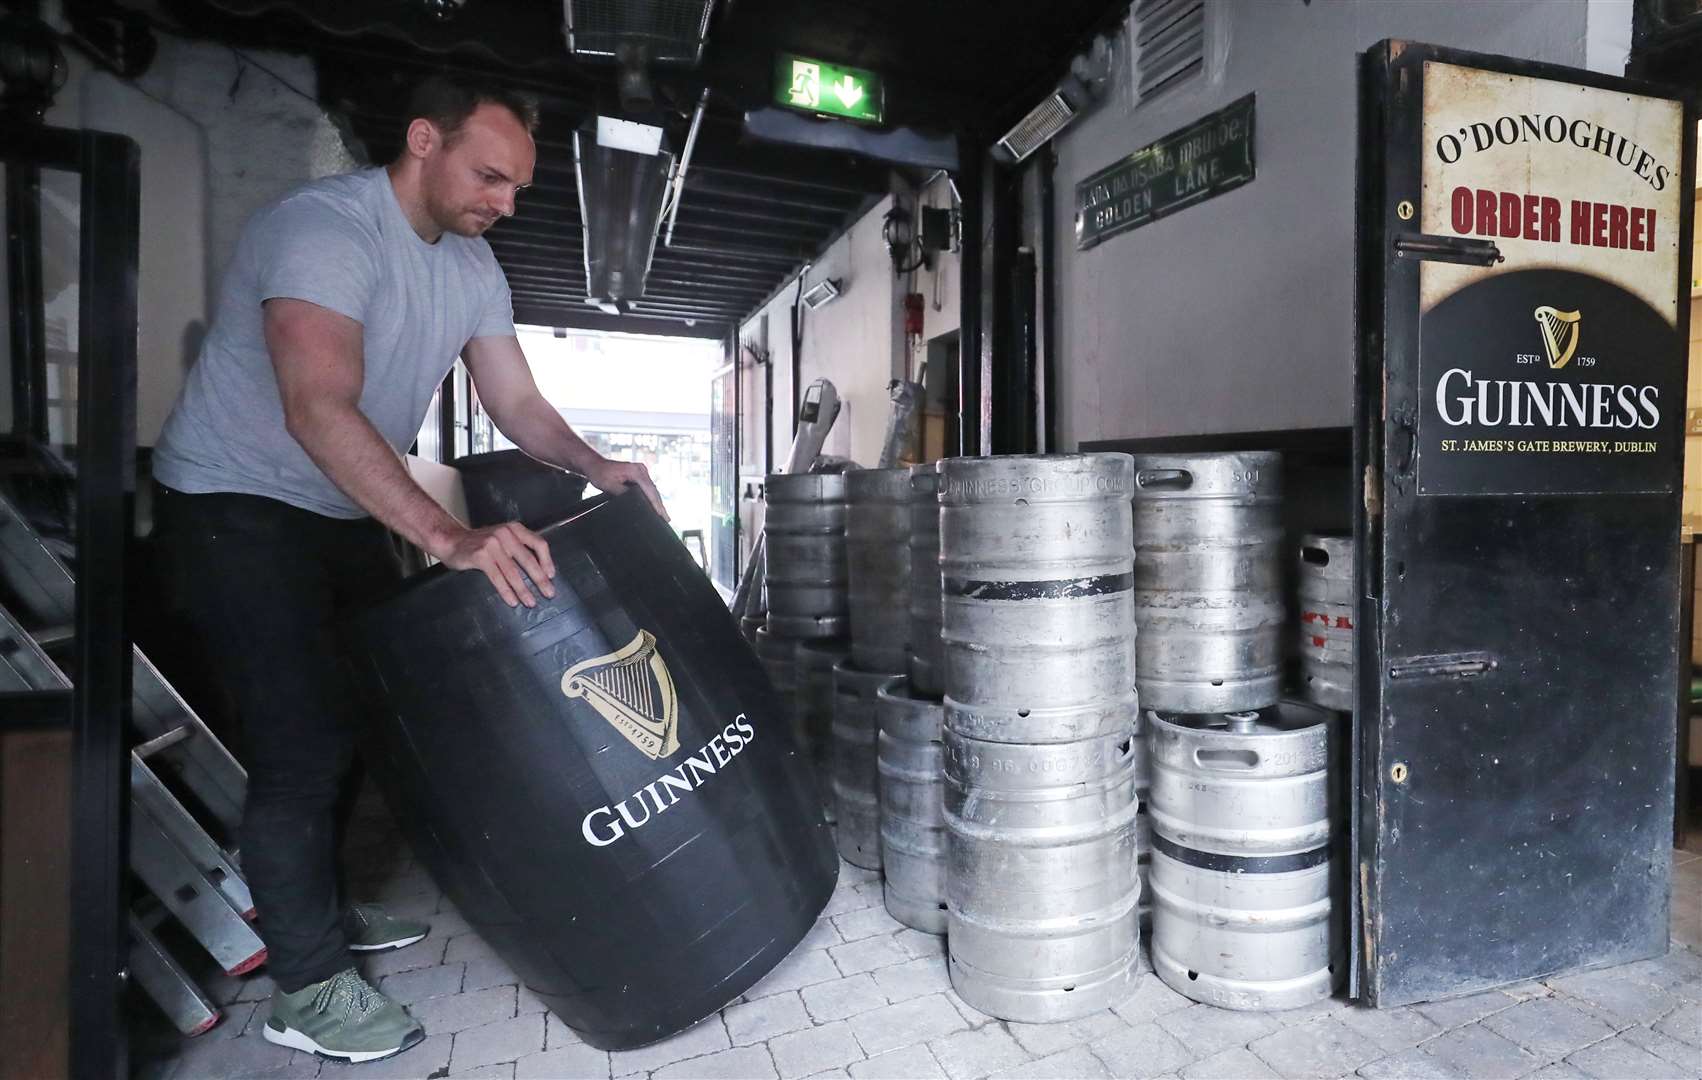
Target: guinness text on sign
1205,158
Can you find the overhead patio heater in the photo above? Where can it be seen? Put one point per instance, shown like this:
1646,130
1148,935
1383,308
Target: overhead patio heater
636,34
622,168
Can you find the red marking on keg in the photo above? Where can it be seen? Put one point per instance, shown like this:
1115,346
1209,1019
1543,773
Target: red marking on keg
1340,622
204,1026
1058,589
1241,864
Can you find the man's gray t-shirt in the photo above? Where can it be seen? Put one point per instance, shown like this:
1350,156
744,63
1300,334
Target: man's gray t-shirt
342,243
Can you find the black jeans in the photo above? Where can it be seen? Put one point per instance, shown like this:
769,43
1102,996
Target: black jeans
261,583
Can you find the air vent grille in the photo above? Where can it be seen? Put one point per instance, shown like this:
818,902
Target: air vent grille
1170,44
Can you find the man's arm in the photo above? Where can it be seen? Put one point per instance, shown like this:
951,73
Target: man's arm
510,394
317,355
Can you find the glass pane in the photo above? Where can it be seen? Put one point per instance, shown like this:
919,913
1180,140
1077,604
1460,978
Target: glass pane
61,294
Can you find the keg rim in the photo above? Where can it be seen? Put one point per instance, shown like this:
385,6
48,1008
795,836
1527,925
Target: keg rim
783,481
1272,720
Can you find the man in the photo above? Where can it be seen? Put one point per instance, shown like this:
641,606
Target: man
345,305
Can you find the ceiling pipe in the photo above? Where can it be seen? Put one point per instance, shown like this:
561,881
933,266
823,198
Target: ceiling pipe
685,162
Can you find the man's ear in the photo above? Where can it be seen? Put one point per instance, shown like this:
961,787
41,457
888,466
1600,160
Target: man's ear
423,137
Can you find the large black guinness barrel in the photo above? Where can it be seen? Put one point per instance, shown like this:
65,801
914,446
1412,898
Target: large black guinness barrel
604,785
507,485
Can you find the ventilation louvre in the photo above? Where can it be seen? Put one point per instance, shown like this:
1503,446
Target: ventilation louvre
1170,40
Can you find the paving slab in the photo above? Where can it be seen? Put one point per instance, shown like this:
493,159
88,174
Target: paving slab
969,1055
739,1063
1619,1057
1077,1064
1323,1048
908,1022
1236,1063
1477,1053
760,1020
804,1053
909,1063
1145,1050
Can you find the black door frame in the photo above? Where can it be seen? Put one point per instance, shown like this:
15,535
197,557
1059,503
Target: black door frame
96,711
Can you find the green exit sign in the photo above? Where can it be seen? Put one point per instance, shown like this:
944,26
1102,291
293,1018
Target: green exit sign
829,89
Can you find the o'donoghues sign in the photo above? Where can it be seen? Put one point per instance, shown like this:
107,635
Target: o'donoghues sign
1206,158
1560,369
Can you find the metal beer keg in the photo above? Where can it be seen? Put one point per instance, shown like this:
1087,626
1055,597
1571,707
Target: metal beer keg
779,660
913,831
1035,558
877,536
1041,884
807,576
1326,620
1040,805
1208,580
1143,822
856,777
1242,861
816,660
927,651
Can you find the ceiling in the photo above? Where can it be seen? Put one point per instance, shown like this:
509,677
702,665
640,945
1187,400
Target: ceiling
752,214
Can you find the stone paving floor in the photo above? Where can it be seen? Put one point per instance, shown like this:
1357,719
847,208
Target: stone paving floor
865,998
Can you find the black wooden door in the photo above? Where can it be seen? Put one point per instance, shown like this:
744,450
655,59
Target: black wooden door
1524,234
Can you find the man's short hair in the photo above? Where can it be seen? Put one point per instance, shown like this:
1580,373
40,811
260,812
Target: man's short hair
448,102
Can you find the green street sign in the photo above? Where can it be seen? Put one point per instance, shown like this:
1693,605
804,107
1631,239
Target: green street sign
828,89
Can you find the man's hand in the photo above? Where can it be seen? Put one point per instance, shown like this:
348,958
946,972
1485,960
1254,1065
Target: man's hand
613,476
502,552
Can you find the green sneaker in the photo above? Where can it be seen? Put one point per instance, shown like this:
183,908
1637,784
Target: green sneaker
342,1017
370,929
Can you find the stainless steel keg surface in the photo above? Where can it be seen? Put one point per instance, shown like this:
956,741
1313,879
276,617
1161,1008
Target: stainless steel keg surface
1040,751
1208,580
1243,869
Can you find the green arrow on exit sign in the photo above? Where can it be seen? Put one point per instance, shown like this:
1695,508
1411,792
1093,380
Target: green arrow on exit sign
816,86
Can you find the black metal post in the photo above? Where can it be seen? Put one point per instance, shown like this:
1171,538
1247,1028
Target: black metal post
969,391
1005,400
106,434
1046,370
23,275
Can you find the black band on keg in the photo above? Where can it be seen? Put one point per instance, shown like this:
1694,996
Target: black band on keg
1061,589
1242,864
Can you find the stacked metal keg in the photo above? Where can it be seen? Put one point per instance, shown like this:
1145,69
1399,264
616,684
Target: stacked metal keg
1241,864
877,544
910,751
1040,753
807,583
1326,620
1244,874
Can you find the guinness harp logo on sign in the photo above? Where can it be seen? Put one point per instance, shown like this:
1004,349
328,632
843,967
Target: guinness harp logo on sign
1559,334
632,690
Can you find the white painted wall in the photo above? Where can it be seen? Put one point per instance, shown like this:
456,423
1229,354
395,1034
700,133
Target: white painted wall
219,138
1237,314
857,341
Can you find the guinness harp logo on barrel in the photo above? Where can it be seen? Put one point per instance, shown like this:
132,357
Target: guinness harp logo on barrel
632,690
1559,334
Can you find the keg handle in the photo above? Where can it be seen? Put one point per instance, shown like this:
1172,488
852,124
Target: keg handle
1317,556
1170,479
1227,760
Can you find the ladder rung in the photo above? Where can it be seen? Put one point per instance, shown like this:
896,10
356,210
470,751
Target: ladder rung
163,742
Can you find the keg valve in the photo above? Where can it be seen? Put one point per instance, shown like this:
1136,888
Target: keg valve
1242,723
